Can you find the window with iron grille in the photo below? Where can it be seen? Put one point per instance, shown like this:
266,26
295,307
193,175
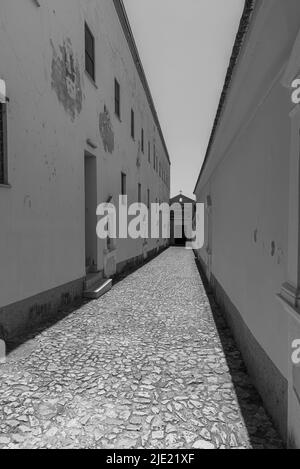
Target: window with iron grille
89,52
3,144
117,99
132,124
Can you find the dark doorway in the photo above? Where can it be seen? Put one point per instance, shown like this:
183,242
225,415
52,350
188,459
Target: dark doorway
90,174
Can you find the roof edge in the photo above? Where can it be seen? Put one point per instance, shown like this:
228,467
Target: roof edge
121,11
235,56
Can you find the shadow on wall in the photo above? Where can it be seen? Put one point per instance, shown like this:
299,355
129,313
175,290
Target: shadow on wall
250,402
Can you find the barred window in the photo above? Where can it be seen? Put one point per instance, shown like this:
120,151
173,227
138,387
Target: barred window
3,144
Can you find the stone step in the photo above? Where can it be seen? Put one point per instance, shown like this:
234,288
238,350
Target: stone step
92,280
98,290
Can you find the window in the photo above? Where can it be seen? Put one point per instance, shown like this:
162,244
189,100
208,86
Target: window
123,184
132,124
117,99
3,145
148,199
139,193
89,52
149,152
142,141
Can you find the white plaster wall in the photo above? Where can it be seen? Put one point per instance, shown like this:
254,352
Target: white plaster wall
247,177
114,60
42,230
250,199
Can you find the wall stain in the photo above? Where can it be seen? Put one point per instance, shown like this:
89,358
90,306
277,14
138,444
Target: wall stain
27,201
50,165
106,131
66,81
273,248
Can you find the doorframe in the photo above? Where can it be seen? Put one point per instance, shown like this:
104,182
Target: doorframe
93,268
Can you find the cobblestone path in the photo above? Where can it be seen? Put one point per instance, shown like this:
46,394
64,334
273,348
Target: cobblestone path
143,367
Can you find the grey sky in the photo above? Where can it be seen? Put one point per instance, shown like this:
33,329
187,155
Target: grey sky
185,47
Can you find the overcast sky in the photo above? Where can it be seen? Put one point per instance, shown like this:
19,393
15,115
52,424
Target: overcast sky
185,47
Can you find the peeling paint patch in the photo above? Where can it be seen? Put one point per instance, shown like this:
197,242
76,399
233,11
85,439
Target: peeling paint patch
66,81
106,131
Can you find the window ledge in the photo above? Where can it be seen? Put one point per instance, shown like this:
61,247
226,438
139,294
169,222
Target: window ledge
91,80
5,186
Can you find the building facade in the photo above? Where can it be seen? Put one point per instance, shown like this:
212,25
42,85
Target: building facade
79,128
250,185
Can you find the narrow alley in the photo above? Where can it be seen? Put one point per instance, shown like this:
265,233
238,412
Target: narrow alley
143,367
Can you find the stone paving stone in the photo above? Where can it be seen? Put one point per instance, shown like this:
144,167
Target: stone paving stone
143,367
